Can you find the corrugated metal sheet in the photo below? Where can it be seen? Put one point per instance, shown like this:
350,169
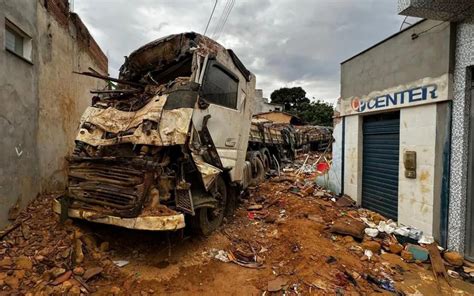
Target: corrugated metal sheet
380,163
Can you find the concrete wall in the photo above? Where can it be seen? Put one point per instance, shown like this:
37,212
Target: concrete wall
353,158
399,60
63,96
18,114
41,99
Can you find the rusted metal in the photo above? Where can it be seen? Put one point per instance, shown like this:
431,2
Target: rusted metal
103,77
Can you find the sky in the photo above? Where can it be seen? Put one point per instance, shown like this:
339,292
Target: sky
285,43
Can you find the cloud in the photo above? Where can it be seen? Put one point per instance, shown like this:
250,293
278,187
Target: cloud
284,42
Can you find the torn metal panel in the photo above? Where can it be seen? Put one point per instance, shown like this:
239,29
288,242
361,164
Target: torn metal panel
208,172
112,126
143,222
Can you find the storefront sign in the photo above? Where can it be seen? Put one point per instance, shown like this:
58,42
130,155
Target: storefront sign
423,91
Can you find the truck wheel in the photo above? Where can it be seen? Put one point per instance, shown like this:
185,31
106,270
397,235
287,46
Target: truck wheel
208,220
266,159
259,174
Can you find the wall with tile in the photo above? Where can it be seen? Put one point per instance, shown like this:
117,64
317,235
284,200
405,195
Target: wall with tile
417,197
464,58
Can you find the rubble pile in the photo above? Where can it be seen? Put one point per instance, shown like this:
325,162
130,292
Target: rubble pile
314,241
40,256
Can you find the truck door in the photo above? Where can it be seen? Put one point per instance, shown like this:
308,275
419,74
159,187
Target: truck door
229,129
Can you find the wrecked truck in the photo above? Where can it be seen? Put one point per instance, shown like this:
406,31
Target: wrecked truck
167,146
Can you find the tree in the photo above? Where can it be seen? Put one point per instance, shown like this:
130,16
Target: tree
316,113
295,101
291,98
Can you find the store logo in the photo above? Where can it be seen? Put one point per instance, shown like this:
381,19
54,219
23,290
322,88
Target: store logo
405,97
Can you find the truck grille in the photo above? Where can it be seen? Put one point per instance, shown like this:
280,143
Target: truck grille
108,188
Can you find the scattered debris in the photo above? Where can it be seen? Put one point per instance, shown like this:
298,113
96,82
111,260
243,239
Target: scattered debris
349,226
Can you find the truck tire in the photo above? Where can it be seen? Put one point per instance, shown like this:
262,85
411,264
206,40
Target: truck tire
266,159
259,174
208,220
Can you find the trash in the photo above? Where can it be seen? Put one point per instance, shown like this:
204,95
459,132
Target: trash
387,226
91,272
254,207
368,254
220,255
121,263
437,263
245,259
453,258
406,255
386,283
62,278
454,274
331,260
426,240
419,253
372,232
276,284
369,223
349,226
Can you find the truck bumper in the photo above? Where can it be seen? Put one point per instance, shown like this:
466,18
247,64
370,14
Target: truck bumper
154,223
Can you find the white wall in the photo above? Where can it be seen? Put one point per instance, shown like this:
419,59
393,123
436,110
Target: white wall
353,158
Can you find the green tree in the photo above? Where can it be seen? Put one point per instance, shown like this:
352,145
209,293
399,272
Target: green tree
295,101
291,98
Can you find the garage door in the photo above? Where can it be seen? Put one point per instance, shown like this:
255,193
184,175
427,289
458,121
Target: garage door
381,136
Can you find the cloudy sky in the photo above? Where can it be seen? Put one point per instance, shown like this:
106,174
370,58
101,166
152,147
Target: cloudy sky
284,42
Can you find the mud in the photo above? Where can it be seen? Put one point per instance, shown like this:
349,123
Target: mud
288,234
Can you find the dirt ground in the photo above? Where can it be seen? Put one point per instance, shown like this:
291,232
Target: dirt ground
283,245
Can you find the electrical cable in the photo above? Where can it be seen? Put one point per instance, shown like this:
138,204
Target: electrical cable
210,18
221,18
227,16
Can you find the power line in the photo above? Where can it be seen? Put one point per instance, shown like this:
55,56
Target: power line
221,18
210,17
227,16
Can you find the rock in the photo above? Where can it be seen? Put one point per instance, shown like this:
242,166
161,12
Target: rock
78,253
276,285
78,270
406,255
345,201
24,262
271,218
419,253
5,262
372,245
66,286
75,291
453,258
12,282
90,242
395,260
62,278
57,271
395,248
19,274
348,239
96,255
349,226
115,290
91,272
376,217
315,218
104,246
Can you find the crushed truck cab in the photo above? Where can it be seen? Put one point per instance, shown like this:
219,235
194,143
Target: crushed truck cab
169,139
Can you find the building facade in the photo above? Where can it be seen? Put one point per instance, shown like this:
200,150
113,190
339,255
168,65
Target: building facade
42,43
461,189
404,124
262,105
